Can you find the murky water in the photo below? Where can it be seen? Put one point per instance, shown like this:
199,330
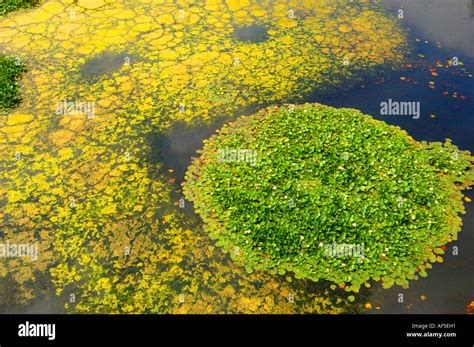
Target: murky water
437,30
103,64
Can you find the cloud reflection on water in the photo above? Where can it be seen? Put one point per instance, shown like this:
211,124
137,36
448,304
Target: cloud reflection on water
450,22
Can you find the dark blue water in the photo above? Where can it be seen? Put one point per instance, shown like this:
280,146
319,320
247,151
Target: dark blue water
454,116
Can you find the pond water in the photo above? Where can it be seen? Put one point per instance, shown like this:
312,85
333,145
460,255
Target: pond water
437,32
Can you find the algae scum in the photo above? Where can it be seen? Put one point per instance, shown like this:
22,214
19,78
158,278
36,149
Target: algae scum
105,81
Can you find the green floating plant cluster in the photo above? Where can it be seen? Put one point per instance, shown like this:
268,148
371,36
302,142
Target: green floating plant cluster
327,177
10,72
7,6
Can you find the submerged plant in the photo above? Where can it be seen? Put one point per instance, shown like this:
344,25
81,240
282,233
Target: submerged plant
325,179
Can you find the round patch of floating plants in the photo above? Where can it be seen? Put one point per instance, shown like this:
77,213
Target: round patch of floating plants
331,194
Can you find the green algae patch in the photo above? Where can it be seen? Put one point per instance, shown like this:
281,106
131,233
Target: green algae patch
329,194
11,70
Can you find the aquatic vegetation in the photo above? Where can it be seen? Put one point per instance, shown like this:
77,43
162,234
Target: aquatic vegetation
77,178
113,238
173,53
10,73
176,270
7,6
326,177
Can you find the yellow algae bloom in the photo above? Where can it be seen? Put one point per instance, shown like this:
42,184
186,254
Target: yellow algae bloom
259,51
79,174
